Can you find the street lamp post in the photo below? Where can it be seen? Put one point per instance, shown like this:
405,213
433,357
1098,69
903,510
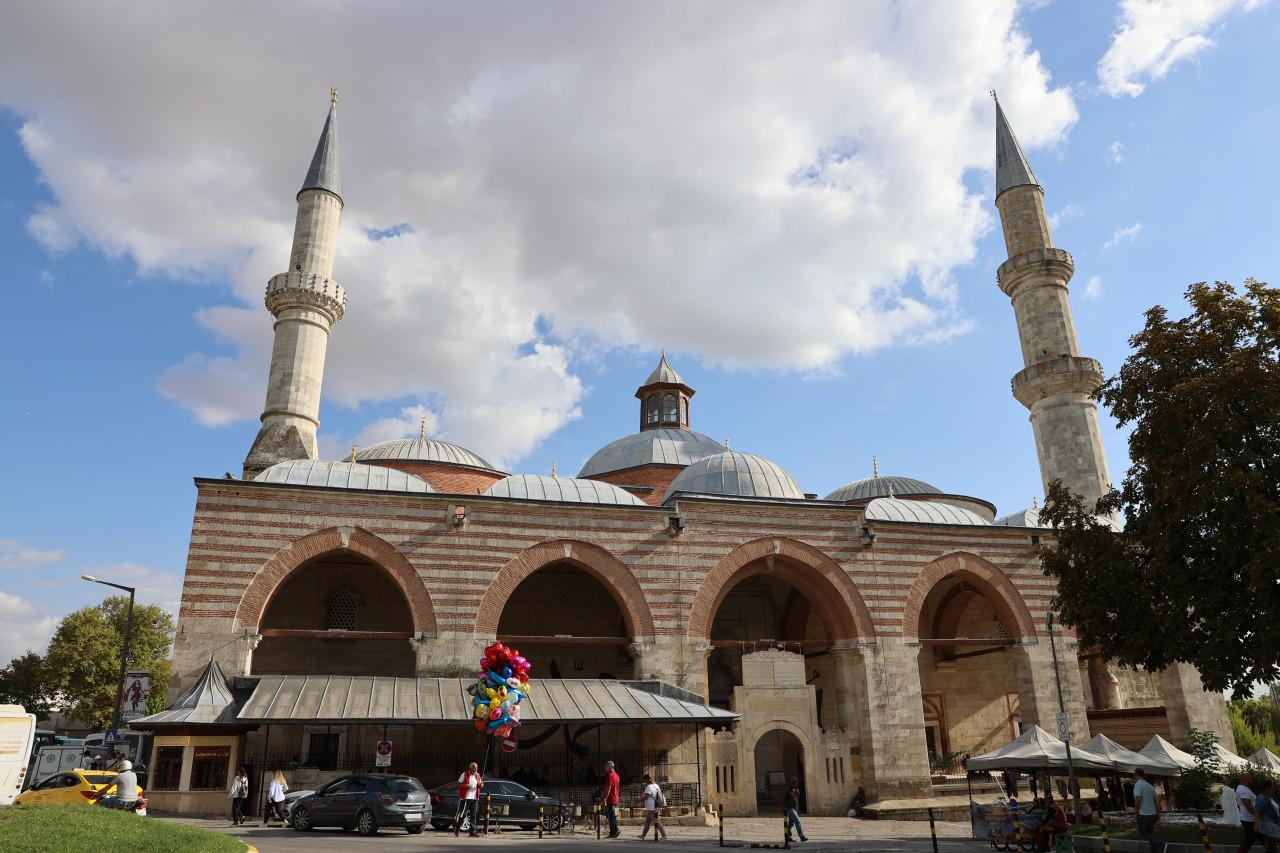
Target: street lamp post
1071,768
124,653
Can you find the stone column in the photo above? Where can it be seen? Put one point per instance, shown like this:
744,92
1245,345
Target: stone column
1190,706
1038,687
885,683
850,689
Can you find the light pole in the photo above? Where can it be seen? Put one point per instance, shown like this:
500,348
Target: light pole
124,653
1062,711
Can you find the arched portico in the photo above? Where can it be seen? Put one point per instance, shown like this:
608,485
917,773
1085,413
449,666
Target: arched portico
984,577
336,540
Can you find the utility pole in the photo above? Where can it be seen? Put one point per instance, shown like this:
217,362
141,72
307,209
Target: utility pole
1062,713
124,653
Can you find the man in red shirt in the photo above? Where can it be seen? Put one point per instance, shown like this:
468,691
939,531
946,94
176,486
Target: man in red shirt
611,782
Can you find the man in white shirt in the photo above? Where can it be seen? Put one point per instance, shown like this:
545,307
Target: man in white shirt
649,802
1147,806
469,785
1248,815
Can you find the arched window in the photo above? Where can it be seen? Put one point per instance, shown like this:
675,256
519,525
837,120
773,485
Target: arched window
684,411
340,611
651,410
670,413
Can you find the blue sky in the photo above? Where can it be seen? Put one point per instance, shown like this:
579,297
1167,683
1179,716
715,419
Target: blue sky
550,241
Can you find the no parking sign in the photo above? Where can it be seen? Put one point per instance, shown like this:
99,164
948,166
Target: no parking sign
383,757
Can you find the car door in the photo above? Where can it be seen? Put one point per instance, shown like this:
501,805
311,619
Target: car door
522,809
350,801
323,803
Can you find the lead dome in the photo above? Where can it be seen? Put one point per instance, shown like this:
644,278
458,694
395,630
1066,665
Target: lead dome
342,475
737,474
882,487
422,449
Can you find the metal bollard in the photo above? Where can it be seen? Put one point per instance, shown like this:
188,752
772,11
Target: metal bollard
539,821
786,836
933,832
1204,834
1106,837
1017,831
597,821
488,811
720,821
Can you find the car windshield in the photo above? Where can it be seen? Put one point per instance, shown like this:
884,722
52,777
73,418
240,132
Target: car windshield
100,778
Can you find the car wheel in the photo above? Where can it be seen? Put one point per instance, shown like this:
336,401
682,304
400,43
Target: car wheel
414,830
552,822
302,819
441,825
366,824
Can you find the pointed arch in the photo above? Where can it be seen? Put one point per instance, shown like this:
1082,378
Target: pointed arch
821,579
987,578
337,540
612,574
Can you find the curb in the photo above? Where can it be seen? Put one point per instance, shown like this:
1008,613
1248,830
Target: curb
1129,845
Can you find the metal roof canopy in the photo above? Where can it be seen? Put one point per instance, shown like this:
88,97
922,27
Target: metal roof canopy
338,699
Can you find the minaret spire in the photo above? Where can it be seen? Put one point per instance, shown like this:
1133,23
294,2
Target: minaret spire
306,302
1056,383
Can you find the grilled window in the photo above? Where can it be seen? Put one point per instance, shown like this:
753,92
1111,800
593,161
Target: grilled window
340,614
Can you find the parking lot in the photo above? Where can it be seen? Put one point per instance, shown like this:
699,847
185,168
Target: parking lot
825,834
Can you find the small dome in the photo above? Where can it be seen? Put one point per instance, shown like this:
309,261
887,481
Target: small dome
1029,517
342,475
663,374
651,447
882,487
739,474
537,487
921,512
422,450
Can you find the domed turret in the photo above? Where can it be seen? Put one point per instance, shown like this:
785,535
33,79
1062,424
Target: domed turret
737,474
448,467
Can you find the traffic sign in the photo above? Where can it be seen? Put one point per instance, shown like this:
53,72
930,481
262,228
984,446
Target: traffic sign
508,744
1064,726
110,736
383,758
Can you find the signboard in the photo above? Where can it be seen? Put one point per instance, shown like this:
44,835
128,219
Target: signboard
383,757
136,685
1064,727
508,744
110,737
173,740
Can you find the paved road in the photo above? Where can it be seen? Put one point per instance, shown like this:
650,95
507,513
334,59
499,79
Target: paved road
826,835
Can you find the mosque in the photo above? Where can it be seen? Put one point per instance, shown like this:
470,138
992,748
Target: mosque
689,609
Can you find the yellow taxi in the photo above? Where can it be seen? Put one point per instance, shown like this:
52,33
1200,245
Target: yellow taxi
71,786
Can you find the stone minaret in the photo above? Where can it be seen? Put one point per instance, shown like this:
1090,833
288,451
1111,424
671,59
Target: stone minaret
1057,383
306,301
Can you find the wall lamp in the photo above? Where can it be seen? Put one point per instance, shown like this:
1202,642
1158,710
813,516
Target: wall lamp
674,525
868,536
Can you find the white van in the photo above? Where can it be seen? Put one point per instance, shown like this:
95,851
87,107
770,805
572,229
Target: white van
55,759
17,734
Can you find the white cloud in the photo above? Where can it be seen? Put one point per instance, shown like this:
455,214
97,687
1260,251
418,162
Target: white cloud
1115,152
19,555
1093,287
1127,234
1068,211
24,626
758,188
154,586
1152,36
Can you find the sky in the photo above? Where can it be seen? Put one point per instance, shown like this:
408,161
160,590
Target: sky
796,202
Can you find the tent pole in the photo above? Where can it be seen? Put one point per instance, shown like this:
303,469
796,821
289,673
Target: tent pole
968,778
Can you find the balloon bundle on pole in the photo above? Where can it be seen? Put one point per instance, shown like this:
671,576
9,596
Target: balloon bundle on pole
501,683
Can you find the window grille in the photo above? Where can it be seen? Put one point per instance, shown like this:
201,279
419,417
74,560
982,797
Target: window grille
340,615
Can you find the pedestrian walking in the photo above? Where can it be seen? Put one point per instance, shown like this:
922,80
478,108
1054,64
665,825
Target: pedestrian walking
791,808
238,794
1147,807
651,800
275,799
612,785
469,786
1248,815
1268,813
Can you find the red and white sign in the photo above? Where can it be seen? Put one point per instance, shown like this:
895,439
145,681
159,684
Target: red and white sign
508,744
383,758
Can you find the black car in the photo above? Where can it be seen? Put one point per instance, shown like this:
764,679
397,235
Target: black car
521,806
365,802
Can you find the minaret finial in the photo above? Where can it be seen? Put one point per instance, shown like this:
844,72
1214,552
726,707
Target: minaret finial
889,483
554,474
1035,502
422,430
353,452
333,97
994,96
728,446
875,467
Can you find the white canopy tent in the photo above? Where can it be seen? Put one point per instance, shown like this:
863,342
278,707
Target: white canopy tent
1159,748
1036,749
1265,758
1228,759
1125,760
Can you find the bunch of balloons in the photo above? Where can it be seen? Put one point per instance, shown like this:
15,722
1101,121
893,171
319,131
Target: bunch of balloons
503,680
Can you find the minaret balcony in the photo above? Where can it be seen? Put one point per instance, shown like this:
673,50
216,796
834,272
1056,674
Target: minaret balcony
1036,267
306,290
1066,374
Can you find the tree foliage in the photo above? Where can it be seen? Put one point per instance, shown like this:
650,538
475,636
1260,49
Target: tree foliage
1195,576
1255,724
1193,789
23,682
83,663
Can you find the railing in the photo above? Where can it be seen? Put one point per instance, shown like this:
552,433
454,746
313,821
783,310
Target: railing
951,764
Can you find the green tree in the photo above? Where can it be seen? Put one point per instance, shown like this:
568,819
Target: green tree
84,656
23,682
1195,575
1193,789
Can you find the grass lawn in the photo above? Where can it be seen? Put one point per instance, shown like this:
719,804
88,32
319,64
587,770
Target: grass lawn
75,828
1172,834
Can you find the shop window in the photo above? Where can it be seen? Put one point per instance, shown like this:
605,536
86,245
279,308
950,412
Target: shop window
340,612
167,773
209,768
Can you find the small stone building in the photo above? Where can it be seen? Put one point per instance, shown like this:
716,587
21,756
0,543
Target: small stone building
689,610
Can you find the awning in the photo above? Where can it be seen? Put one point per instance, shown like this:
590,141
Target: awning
1126,760
347,699
1036,749
1158,747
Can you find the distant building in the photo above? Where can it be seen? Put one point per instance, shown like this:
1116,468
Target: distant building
689,610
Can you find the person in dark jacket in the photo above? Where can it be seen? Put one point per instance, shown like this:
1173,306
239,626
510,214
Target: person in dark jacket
791,807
